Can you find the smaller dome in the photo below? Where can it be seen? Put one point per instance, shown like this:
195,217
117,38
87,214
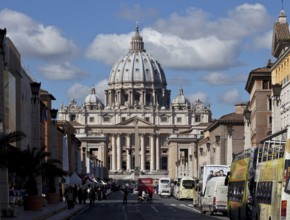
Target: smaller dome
93,99
180,100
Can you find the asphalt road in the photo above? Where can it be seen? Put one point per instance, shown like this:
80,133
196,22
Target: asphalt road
159,209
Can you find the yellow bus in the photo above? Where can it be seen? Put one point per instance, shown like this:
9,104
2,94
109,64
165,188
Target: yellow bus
272,196
186,188
241,184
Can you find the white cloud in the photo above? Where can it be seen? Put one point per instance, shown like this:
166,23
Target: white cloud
194,41
100,88
35,40
230,97
63,71
242,21
80,92
264,40
108,48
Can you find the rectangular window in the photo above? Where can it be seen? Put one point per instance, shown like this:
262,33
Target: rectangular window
92,119
197,118
106,119
266,84
163,119
72,117
147,119
123,119
179,120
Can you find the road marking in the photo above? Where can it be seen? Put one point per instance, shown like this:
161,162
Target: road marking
124,213
154,208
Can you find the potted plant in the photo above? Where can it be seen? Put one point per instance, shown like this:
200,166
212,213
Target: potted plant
32,164
6,152
52,171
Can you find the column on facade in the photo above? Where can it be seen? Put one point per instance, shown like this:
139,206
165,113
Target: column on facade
153,98
113,160
131,97
229,149
119,152
157,152
217,154
142,152
88,164
129,152
106,97
152,153
208,154
144,97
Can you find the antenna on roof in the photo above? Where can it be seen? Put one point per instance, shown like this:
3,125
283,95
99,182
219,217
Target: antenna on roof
282,5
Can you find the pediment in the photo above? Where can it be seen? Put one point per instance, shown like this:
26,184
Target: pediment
135,121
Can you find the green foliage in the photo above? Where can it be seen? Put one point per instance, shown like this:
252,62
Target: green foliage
29,163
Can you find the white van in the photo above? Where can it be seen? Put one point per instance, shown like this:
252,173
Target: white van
215,196
164,187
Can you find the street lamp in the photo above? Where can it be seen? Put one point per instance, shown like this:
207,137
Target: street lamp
2,37
230,130
247,115
53,114
35,87
217,138
277,92
201,151
208,146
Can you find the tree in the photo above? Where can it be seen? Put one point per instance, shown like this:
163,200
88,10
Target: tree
33,163
7,149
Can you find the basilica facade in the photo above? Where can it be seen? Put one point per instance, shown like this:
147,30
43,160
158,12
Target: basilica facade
137,129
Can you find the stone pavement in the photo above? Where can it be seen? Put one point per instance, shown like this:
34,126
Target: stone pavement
50,212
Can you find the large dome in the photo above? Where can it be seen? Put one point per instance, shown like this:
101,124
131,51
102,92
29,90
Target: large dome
137,80
136,67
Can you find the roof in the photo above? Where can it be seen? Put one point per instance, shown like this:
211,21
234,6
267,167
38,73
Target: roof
229,119
262,73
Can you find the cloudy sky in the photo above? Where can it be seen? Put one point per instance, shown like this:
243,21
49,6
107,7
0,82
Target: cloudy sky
206,47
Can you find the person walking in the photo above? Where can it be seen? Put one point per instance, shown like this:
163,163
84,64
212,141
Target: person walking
92,196
125,196
70,198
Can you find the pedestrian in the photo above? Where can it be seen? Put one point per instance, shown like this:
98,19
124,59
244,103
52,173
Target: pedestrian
85,196
69,198
92,196
99,192
125,196
104,191
80,195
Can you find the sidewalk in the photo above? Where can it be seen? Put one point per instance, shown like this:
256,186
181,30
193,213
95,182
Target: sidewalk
50,212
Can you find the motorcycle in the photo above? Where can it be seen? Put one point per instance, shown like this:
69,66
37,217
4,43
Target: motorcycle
144,199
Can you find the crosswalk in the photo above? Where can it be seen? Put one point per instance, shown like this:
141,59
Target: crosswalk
136,203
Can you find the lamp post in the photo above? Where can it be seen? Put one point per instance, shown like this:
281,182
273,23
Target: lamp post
247,115
53,141
277,88
276,110
35,124
4,190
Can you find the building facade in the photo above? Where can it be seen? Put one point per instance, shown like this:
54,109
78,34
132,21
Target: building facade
129,132
280,74
259,121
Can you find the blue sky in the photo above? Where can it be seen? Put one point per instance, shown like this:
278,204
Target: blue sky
207,47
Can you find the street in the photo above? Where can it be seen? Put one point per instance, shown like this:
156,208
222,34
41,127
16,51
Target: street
159,209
